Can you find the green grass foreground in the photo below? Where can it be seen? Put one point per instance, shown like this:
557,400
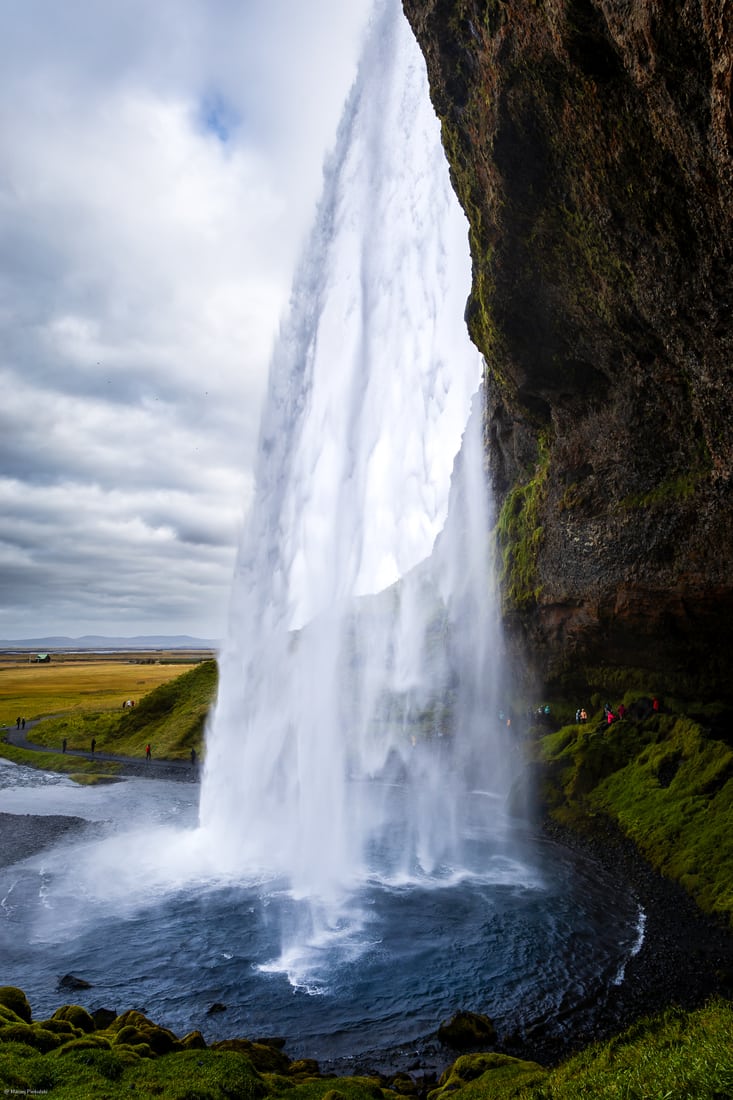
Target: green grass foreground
667,784
171,718
674,1056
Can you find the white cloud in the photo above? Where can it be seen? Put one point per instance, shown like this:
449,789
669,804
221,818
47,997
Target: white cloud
161,163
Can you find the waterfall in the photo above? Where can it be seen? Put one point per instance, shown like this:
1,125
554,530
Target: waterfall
356,731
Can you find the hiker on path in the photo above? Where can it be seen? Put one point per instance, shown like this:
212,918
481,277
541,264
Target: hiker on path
147,752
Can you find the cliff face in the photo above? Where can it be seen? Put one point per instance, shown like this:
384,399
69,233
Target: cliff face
591,146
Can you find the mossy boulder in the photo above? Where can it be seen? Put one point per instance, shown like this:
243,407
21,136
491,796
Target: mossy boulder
61,1027
305,1067
15,999
194,1040
131,1018
139,1050
467,1031
32,1035
161,1040
403,1084
495,1070
131,1036
86,1042
7,1016
264,1058
77,1016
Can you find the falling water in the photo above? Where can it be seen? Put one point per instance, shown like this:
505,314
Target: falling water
356,732
353,879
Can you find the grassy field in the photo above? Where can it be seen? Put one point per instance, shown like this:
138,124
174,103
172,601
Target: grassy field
170,715
77,686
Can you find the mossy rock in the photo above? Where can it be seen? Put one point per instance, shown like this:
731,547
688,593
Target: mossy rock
86,1042
30,1034
77,1016
305,1067
131,1018
61,1027
7,1016
495,1070
265,1059
467,1030
141,1050
131,1036
131,1054
403,1084
161,1040
15,999
194,1040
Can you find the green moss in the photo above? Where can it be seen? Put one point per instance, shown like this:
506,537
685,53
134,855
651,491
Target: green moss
679,487
15,999
519,534
667,785
75,1015
674,1054
487,1073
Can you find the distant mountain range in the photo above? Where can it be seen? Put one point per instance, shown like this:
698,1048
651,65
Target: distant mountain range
100,641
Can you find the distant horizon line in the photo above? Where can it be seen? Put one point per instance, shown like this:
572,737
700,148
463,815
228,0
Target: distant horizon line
51,641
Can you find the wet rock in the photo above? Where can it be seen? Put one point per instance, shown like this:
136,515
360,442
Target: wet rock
216,1007
103,1017
71,981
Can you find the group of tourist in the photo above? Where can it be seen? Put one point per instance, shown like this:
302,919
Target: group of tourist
617,714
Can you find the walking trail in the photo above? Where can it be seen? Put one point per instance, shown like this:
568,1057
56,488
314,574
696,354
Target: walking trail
181,770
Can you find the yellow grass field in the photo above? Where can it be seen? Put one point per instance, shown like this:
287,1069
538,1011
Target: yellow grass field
76,687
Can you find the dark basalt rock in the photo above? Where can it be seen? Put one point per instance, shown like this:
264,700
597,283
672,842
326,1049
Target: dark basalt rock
103,1017
70,981
590,145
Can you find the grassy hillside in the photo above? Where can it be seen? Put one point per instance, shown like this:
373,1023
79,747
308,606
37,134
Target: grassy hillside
665,781
171,718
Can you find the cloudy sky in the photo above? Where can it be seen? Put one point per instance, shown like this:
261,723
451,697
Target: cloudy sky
159,165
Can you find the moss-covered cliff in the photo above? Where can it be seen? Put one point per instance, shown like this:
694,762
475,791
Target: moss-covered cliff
590,144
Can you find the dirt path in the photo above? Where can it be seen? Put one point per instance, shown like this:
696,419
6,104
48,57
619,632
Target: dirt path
181,770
